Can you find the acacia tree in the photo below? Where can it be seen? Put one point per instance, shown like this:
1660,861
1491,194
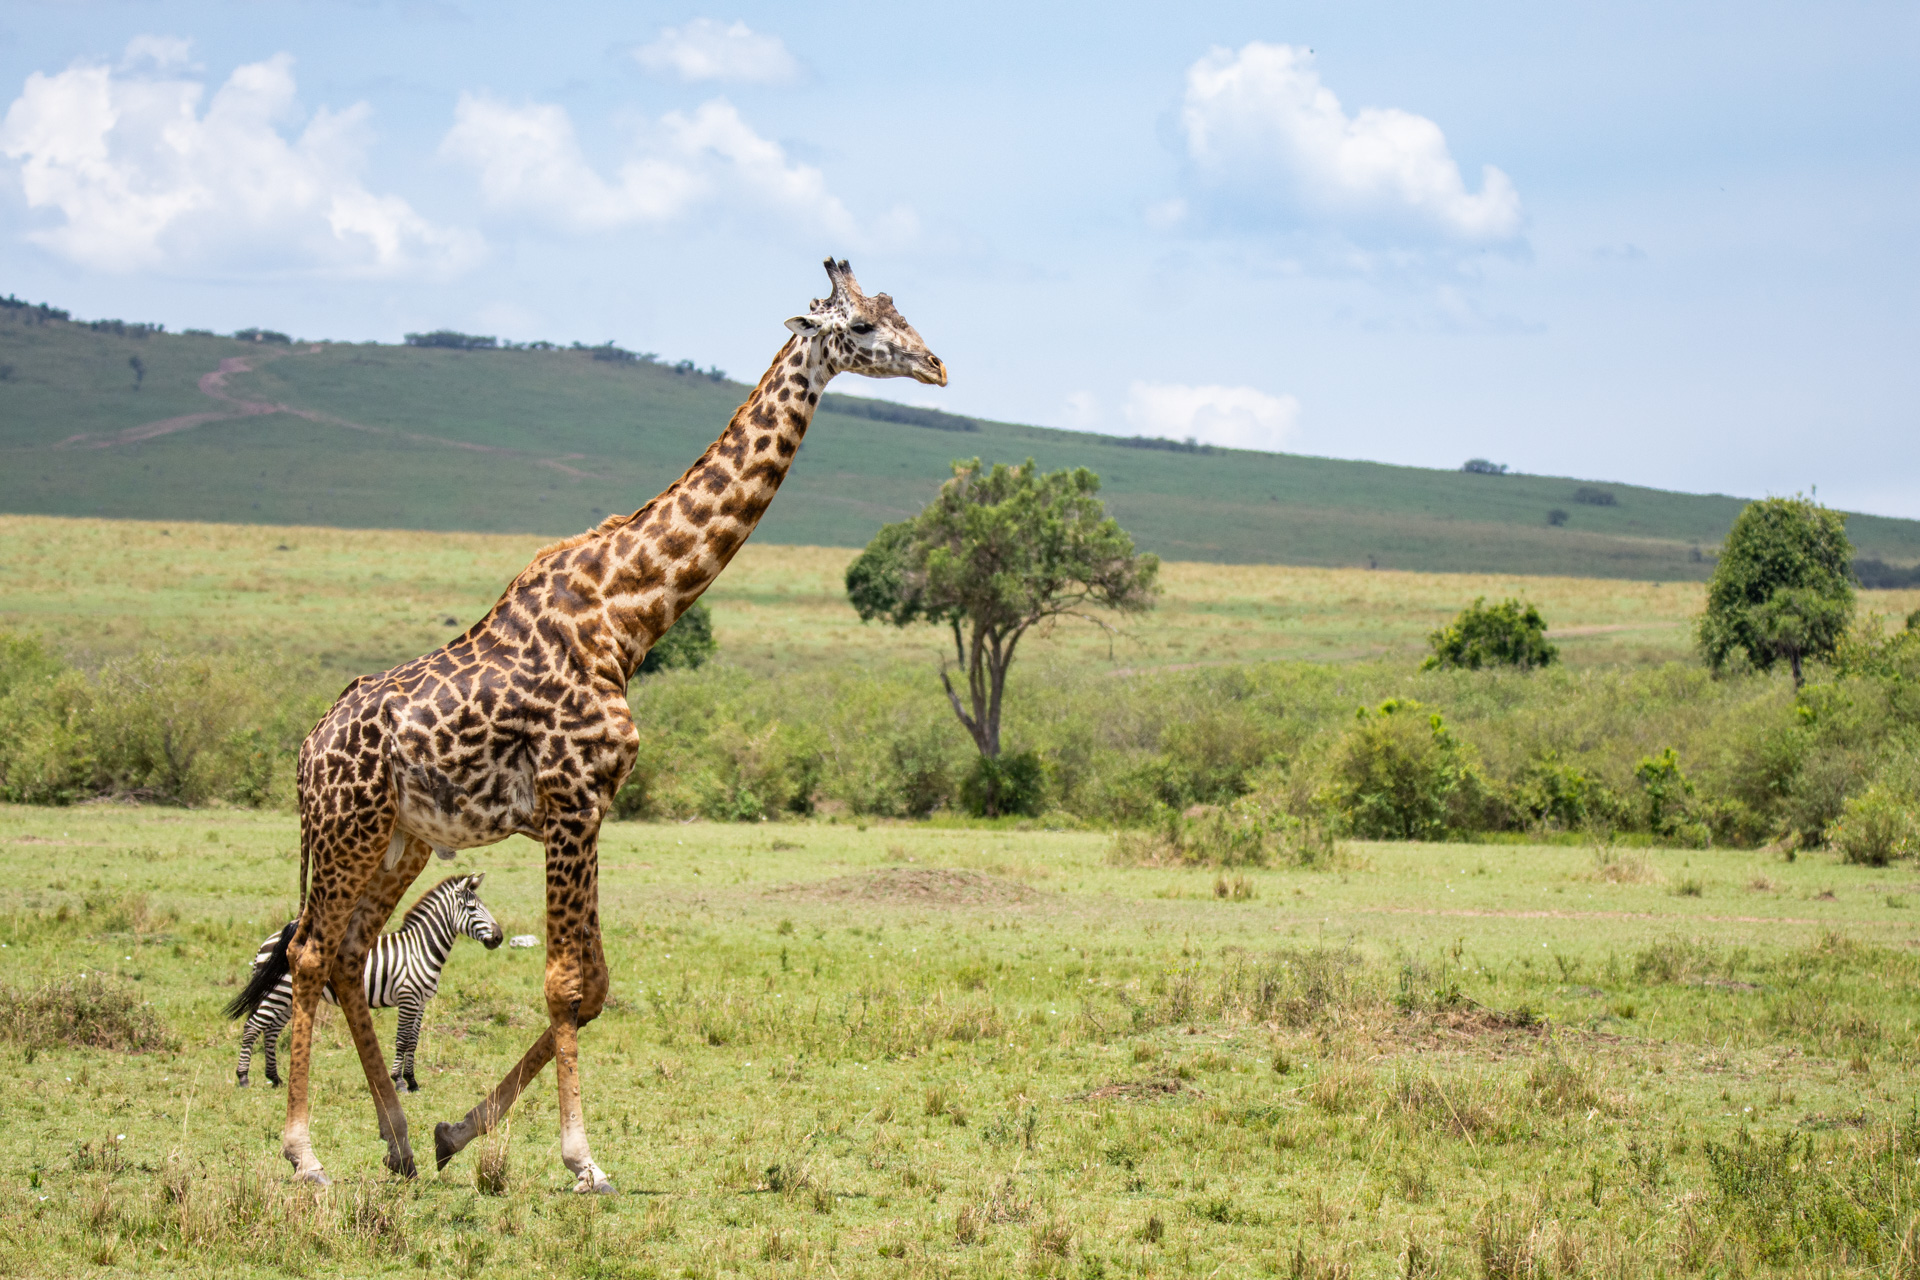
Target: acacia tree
1782,590
999,551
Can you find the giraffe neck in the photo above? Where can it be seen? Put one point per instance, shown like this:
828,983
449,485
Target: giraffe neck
652,565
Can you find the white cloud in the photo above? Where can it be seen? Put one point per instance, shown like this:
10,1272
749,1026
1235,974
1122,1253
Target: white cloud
162,53
1266,136
143,180
530,162
1234,417
708,50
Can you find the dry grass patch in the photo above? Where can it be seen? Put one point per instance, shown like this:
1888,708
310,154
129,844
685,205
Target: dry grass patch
916,887
91,1012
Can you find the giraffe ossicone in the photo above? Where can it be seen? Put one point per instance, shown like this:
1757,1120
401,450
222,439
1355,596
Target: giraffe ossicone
520,727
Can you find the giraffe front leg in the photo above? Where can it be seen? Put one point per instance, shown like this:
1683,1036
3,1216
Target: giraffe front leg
576,983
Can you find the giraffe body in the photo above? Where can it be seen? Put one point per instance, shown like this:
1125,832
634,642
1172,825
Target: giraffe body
520,726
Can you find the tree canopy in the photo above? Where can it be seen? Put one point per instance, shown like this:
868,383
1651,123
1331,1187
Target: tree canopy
686,644
1782,590
999,551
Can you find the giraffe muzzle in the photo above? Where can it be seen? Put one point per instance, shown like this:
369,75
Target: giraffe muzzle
932,371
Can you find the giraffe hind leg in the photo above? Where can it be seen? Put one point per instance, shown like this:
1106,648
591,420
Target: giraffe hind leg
349,988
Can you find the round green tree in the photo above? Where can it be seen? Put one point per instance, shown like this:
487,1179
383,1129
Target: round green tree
1782,591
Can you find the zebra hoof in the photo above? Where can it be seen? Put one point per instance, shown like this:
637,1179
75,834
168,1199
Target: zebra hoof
413,1086
443,1146
241,1082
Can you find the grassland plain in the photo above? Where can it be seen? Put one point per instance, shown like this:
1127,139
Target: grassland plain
921,1051
370,436
351,601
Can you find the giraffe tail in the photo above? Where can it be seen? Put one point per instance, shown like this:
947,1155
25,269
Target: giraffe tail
266,976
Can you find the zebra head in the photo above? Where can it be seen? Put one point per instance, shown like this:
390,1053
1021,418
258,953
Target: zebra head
475,920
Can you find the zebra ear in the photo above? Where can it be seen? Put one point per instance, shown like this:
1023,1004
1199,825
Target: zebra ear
473,881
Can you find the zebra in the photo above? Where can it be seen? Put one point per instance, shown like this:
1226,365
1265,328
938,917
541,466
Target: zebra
403,969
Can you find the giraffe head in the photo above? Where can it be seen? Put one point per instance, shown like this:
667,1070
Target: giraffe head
866,335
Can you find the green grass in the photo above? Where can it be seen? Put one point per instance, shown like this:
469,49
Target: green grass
353,601
547,442
828,1055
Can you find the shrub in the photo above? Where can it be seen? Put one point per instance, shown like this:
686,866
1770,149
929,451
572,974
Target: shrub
757,774
1668,794
1511,633
1005,785
1876,827
1594,496
154,726
1556,517
1550,792
1400,775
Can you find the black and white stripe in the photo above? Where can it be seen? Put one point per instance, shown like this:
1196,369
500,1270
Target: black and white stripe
403,970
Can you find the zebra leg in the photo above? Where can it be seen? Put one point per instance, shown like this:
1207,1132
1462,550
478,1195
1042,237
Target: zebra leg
406,1037
270,1045
248,1034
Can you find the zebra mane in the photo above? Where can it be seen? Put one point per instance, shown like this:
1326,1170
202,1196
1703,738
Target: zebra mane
426,901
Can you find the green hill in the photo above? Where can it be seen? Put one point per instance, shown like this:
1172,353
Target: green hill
546,441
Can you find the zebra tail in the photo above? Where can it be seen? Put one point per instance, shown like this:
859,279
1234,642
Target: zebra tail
266,976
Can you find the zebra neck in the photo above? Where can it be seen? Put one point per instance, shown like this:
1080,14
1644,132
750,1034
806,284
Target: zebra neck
436,931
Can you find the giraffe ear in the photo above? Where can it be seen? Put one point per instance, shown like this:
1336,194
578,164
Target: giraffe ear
805,326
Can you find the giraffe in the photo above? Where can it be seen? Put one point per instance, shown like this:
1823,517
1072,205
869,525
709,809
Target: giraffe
520,726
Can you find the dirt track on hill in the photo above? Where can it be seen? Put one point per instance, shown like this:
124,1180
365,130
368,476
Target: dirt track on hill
213,385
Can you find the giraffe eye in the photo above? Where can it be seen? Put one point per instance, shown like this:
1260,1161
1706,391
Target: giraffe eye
861,327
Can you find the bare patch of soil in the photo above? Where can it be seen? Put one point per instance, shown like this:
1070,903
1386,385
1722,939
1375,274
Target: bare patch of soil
1139,1091
915,887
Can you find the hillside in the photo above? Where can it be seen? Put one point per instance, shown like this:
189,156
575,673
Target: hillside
547,441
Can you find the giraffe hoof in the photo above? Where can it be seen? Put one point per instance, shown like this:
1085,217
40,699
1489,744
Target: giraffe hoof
443,1146
593,1182
314,1177
401,1164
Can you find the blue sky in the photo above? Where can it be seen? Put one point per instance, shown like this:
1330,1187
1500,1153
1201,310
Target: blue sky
1669,244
